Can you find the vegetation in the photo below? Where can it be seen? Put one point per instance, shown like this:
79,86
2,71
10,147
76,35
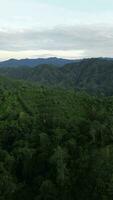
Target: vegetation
54,144
92,75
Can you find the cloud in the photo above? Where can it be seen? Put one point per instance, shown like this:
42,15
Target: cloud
88,40
40,54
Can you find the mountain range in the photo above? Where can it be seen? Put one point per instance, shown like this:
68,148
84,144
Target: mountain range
56,142
35,62
93,75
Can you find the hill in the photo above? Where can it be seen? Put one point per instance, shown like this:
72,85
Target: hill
92,75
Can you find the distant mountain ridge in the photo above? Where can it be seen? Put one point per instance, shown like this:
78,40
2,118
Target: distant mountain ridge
35,62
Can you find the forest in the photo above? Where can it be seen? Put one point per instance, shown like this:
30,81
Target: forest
93,75
55,143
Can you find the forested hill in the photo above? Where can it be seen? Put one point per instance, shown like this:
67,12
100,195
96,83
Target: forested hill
93,75
54,144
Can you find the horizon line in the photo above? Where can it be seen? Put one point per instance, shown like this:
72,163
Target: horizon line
55,57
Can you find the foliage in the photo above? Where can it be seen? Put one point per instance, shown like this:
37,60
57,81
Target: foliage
93,75
54,144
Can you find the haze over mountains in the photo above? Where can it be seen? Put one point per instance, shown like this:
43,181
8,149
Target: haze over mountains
34,62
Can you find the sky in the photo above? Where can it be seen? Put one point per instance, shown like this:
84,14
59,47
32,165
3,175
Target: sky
61,28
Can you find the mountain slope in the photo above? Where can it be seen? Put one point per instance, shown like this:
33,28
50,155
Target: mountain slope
93,75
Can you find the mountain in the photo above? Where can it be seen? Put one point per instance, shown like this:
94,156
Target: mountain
35,62
93,75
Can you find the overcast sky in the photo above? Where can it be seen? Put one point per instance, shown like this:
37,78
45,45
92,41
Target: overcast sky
63,28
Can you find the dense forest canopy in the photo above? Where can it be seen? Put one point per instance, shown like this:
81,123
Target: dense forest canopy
54,143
